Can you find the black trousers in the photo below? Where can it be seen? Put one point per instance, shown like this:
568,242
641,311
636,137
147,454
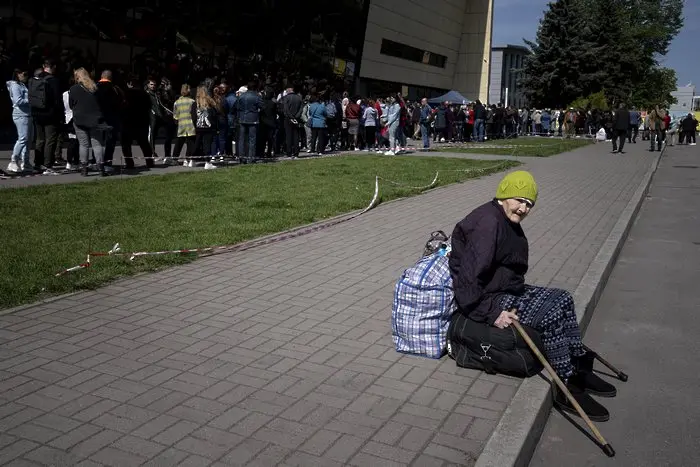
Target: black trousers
266,141
45,145
318,140
170,131
140,135
619,135
292,132
202,143
689,137
181,141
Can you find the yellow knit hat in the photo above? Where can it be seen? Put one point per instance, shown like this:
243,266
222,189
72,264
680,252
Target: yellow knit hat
519,184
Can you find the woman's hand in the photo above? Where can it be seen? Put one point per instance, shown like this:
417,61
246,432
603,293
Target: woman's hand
505,319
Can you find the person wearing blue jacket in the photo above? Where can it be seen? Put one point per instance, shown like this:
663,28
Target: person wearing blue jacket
317,121
22,116
248,107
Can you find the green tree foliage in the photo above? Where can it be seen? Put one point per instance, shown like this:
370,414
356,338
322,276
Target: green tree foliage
585,46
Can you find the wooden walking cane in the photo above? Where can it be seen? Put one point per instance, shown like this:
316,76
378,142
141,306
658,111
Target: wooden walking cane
607,449
622,376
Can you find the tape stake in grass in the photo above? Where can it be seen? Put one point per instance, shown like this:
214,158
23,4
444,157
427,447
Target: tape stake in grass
74,268
135,255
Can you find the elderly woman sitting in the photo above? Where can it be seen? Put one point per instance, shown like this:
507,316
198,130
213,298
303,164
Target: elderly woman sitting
488,263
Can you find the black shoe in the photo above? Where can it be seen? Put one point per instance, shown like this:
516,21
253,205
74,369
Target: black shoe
128,164
84,170
595,411
103,172
589,381
150,163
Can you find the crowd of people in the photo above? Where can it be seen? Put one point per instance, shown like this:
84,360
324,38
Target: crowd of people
265,118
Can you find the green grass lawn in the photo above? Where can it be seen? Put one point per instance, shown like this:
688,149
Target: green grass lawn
524,146
50,227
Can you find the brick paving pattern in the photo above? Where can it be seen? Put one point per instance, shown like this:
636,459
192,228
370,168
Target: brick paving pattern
282,355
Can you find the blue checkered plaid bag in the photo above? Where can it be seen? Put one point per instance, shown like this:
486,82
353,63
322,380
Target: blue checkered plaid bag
423,305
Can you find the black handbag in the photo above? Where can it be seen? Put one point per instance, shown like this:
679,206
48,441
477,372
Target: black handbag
481,346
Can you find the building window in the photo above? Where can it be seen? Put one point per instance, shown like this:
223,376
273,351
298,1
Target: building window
406,52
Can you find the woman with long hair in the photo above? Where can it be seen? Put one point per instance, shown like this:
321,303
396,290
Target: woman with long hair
222,135
22,117
205,125
88,119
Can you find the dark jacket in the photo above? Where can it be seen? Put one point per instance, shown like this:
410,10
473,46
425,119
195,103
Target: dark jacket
137,110
489,258
268,113
688,124
111,100
622,119
479,112
53,113
86,109
248,106
292,106
161,104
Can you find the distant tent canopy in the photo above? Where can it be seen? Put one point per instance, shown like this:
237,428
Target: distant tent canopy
453,97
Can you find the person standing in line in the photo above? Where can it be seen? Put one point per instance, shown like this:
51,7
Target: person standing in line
185,114
292,106
91,128
47,115
22,117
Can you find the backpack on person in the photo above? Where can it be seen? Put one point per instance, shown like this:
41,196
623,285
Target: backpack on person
204,118
481,346
39,93
424,302
330,111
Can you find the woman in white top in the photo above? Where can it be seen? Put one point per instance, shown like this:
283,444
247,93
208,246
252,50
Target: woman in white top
72,152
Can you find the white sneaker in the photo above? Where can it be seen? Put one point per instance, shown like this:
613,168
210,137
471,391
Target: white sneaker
70,166
379,151
693,144
190,163
389,153
185,164
209,166
13,167
25,167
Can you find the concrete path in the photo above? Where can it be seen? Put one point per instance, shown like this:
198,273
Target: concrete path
646,324
282,355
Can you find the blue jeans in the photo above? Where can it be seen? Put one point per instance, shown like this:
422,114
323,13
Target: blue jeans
478,134
425,133
247,132
20,153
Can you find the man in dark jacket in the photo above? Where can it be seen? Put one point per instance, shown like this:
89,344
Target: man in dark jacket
137,111
292,105
621,125
689,125
161,114
46,101
248,106
111,100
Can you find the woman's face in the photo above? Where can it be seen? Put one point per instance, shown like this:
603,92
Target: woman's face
22,77
516,209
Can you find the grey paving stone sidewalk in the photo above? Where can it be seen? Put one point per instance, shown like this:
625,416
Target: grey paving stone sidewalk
282,355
